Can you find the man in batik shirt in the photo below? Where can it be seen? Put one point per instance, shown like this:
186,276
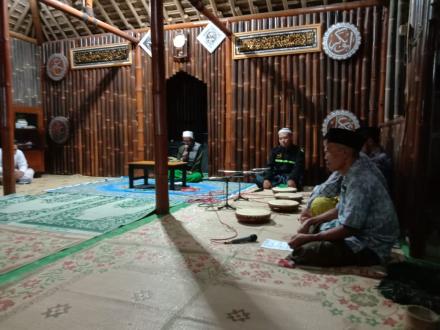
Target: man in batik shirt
363,227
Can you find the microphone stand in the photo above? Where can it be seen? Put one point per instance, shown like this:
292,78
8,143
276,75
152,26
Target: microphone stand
227,205
240,196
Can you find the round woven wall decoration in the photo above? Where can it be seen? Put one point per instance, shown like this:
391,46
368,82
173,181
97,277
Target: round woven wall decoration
340,119
59,129
56,66
341,41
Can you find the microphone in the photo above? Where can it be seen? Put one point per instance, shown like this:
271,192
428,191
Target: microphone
250,239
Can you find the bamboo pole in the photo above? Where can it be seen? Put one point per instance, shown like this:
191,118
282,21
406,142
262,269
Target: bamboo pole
7,111
245,116
258,109
229,129
372,111
139,105
89,19
159,106
382,69
23,37
398,62
365,67
390,52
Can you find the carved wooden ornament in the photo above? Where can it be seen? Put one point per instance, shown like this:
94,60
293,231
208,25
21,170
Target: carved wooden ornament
57,66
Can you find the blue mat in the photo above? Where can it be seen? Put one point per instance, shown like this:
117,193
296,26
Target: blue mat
119,187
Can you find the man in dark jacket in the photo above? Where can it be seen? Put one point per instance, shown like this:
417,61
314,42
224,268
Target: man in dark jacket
286,164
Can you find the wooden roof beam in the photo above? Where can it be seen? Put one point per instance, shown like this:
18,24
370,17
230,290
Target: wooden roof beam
103,12
89,8
232,6
135,14
198,4
36,21
180,9
147,8
269,5
214,6
70,25
121,15
252,7
74,12
22,37
49,14
22,16
49,28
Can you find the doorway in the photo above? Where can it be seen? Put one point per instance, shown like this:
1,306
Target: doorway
187,110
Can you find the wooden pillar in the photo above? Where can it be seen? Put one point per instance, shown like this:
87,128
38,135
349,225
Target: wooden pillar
139,105
159,108
6,110
413,186
229,134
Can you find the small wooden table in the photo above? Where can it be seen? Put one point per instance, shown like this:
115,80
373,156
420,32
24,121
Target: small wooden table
145,165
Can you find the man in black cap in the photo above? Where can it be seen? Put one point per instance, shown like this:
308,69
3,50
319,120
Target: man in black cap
363,227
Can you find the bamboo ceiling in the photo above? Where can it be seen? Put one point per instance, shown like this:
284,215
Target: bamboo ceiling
132,14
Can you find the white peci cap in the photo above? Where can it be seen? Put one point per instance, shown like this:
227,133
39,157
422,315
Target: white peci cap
188,134
285,131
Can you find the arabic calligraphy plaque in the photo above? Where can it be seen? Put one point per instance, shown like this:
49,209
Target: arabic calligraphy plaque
341,41
274,42
340,119
56,66
100,56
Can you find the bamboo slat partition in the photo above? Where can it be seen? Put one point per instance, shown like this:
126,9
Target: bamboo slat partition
248,100
26,72
418,179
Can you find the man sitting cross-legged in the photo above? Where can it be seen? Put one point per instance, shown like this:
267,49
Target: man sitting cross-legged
363,227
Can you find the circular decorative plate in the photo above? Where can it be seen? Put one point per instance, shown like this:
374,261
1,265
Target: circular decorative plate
340,119
59,129
56,66
341,41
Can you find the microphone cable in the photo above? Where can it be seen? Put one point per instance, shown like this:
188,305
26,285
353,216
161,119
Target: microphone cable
222,240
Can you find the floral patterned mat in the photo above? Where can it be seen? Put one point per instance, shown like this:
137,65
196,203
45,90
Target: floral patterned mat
169,275
20,246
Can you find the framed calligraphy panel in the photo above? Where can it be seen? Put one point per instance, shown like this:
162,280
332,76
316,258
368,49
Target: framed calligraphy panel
341,41
100,56
274,42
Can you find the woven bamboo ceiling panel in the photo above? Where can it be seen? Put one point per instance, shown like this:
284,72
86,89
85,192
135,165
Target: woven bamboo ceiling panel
133,14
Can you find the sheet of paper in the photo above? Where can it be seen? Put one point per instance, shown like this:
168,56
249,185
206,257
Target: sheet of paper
276,245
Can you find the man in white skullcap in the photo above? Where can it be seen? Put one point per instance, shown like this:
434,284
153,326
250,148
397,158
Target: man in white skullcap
286,164
23,173
192,153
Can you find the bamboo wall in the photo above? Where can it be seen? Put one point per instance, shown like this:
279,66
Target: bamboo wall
418,179
298,91
267,93
100,106
26,72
